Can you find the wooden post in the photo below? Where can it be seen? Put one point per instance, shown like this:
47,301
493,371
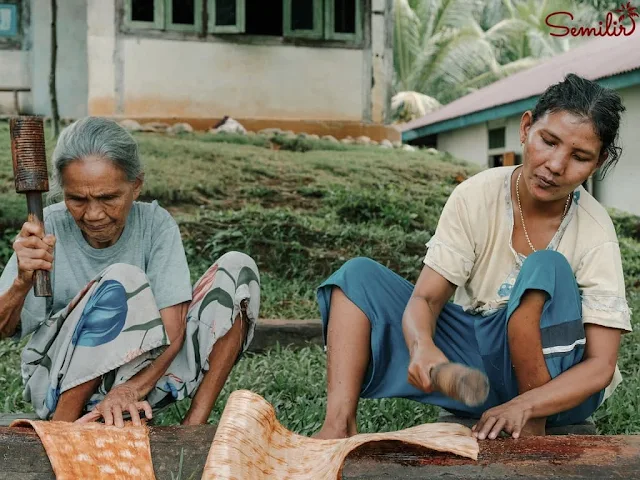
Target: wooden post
573,456
509,158
55,116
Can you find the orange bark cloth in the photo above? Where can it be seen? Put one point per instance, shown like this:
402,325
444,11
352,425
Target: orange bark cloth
250,444
95,451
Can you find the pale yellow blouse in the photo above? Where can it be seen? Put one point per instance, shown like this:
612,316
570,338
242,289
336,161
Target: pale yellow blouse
472,248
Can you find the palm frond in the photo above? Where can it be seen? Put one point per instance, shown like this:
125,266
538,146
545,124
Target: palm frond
407,106
406,41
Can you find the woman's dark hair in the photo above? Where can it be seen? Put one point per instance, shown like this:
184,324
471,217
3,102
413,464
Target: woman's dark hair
587,99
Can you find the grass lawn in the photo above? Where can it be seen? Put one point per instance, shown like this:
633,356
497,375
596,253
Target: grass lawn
301,208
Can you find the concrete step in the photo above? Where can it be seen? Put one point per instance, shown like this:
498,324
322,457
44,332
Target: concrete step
294,333
7,418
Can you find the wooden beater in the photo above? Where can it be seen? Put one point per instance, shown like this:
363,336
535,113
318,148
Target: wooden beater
30,172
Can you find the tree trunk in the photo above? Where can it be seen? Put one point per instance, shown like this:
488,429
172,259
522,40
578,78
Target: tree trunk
55,116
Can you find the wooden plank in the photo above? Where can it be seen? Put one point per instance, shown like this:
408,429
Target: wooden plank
572,456
577,457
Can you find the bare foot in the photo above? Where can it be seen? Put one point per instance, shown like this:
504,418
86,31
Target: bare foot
535,427
330,432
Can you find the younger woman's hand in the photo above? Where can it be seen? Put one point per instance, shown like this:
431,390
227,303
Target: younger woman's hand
510,417
423,359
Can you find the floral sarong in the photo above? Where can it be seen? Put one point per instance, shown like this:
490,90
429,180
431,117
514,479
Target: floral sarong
112,329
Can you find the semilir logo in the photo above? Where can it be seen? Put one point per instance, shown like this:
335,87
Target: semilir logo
624,24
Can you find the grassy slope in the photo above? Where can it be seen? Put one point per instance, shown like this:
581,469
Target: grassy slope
301,215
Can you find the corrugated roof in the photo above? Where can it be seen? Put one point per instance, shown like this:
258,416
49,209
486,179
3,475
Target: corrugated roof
595,59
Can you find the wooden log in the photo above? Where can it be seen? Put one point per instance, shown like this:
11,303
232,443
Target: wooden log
23,456
578,457
294,333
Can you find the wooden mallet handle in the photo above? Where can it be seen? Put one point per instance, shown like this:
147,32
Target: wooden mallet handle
30,172
467,385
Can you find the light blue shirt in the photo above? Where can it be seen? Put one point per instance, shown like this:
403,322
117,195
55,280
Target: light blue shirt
150,241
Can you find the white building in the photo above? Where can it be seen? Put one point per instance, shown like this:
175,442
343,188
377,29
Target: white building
483,127
324,66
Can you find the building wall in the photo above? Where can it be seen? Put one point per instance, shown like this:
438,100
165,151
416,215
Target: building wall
512,140
140,76
468,143
620,188
71,72
14,72
216,79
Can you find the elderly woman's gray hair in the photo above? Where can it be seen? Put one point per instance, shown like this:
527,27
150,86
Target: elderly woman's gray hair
94,137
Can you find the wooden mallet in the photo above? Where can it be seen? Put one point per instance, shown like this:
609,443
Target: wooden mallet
467,385
30,172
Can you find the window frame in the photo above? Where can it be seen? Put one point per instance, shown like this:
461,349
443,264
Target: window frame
14,31
239,27
322,35
316,33
329,23
158,16
503,139
179,27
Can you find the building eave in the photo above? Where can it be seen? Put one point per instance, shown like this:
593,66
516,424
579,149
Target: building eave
622,80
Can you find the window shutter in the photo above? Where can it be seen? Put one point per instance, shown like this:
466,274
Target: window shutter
343,20
226,16
184,15
142,14
8,20
303,18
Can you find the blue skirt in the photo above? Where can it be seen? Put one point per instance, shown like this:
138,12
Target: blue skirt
477,341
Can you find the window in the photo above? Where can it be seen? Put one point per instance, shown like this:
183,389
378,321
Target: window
181,15
337,20
303,18
343,20
8,20
497,138
264,17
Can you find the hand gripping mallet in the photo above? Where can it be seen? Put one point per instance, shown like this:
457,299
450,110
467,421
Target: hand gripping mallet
464,384
30,172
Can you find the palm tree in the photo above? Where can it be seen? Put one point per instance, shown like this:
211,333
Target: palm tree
447,48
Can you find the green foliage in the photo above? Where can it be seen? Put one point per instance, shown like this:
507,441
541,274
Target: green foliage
630,250
294,382
627,225
448,48
11,379
6,246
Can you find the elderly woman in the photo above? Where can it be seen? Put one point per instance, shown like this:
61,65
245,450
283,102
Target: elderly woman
124,331
535,266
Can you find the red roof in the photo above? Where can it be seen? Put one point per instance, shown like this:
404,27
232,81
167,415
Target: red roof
597,58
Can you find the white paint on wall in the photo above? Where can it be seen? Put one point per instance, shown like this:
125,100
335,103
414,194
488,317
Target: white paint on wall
71,73
512,133
101,44
621,188
211,79
14,72
469,143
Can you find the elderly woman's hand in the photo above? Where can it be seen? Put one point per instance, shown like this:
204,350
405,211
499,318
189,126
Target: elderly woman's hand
120,399
34,251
